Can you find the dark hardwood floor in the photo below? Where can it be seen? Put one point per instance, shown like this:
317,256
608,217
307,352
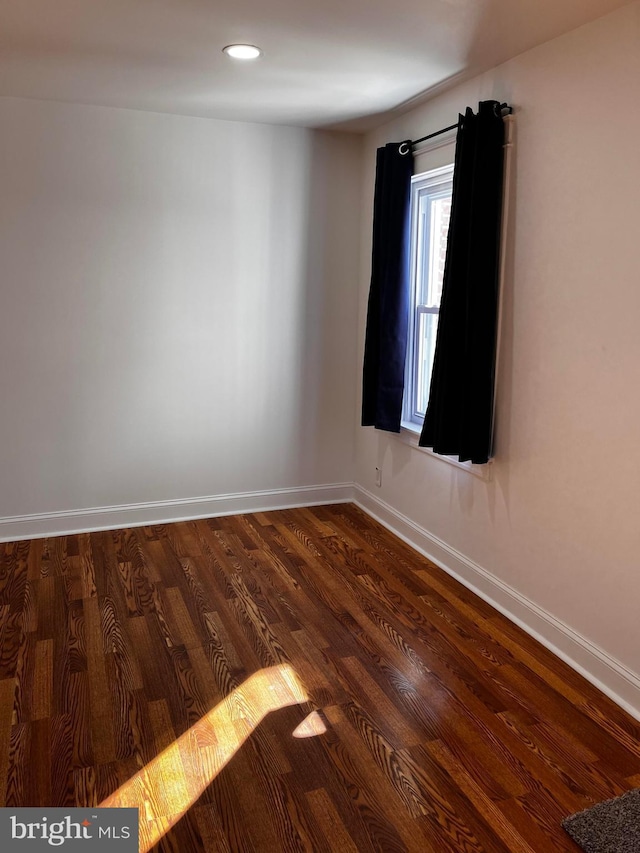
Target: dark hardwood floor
440,726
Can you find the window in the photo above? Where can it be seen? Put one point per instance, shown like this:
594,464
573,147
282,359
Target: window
430,212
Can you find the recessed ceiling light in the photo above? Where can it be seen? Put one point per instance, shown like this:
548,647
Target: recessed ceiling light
242,51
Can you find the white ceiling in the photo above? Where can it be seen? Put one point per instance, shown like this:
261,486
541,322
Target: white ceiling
328,63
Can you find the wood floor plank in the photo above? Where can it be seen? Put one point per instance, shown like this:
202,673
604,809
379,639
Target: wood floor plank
101,715
7,691
62,749
509,836
375,799
333,830
409,715
42,695
24,682
77,708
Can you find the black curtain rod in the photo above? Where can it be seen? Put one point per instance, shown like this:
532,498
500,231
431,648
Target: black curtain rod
412,143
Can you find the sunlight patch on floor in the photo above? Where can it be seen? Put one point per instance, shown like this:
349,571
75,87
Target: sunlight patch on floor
166,787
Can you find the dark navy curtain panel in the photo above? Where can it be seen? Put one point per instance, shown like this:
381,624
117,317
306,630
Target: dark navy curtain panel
388,311
459,418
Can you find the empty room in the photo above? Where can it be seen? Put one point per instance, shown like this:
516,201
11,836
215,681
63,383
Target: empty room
319,413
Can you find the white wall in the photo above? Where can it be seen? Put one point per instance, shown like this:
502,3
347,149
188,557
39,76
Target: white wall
559,520
177,307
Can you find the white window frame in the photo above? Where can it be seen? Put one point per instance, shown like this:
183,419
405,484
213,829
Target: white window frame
433,183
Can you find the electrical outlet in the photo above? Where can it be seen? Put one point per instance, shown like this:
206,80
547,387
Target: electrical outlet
378,477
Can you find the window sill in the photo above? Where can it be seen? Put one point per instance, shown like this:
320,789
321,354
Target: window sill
410,433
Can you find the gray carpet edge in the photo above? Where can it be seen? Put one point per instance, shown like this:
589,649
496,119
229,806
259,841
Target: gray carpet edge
612,826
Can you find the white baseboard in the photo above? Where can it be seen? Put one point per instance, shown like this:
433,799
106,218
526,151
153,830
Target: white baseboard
597,666
164,512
